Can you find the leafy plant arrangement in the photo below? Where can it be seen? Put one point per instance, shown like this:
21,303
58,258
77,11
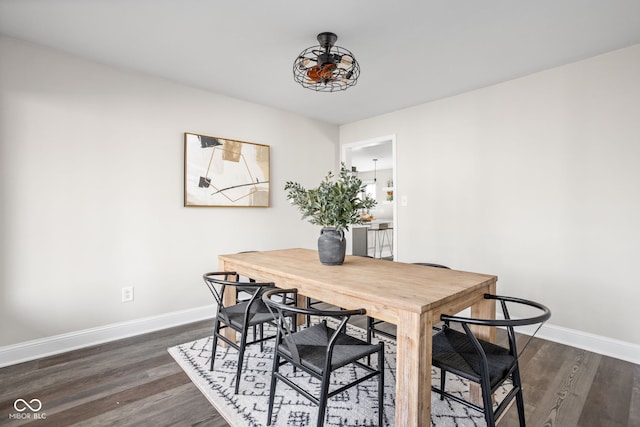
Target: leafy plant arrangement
335,203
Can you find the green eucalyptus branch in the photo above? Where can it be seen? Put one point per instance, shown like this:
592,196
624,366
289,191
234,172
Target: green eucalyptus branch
334,203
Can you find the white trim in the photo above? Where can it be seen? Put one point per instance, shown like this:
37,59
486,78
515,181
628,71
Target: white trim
30,350
36,349
345,149
594,343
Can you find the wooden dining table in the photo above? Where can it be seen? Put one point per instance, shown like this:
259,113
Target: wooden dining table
410,296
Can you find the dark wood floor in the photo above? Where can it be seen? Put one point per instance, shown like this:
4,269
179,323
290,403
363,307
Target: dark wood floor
136,382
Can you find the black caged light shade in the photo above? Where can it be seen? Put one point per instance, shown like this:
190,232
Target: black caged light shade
326,67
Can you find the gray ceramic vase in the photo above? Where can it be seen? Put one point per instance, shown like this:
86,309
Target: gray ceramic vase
331,246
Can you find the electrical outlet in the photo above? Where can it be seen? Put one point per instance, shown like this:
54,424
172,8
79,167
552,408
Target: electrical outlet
127,294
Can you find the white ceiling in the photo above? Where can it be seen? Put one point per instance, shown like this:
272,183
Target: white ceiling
410,51
362,157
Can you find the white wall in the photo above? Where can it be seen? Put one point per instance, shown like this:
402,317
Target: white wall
91,183
535,180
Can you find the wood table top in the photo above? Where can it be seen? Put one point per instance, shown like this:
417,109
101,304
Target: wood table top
399,285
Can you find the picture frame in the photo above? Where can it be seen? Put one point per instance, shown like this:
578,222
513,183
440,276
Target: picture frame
221,172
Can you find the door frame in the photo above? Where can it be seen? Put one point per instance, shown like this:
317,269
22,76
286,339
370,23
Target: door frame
345,156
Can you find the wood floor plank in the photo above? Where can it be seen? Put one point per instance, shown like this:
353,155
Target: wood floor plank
189,400
49,383
552,374
563,402
608,401
113,401
634,399
73,382
159,409
77,393
135,382
87,362
65,395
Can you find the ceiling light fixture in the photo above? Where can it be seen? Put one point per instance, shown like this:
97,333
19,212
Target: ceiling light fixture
326,67
375,169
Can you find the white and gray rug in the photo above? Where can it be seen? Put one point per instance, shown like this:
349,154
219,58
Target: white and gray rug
355,407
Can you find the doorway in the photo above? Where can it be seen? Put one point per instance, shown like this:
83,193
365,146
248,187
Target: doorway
374,161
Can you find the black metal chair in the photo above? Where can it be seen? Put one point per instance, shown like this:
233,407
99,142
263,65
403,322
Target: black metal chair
320,350
240,294
244,314
490,365
310,302
371,322
244,296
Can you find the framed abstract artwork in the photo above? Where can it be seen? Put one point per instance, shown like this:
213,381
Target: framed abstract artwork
225,172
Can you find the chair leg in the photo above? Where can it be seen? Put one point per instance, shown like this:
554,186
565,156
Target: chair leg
261,337
322,404
243,344
381,385
487,402
443,379
520,405
519,397
214,345
369,335
272,390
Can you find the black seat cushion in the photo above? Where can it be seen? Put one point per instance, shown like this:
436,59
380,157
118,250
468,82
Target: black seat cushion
234,315
453,351
312,344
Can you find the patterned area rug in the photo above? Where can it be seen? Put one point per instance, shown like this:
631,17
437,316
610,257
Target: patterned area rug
356,407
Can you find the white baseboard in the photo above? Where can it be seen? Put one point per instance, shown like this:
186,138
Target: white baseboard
30,350
595,343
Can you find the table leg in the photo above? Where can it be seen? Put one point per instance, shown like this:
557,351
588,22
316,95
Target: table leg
413,370
303,301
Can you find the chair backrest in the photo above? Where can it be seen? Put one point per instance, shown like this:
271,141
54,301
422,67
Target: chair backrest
542,315
218,282
282,313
